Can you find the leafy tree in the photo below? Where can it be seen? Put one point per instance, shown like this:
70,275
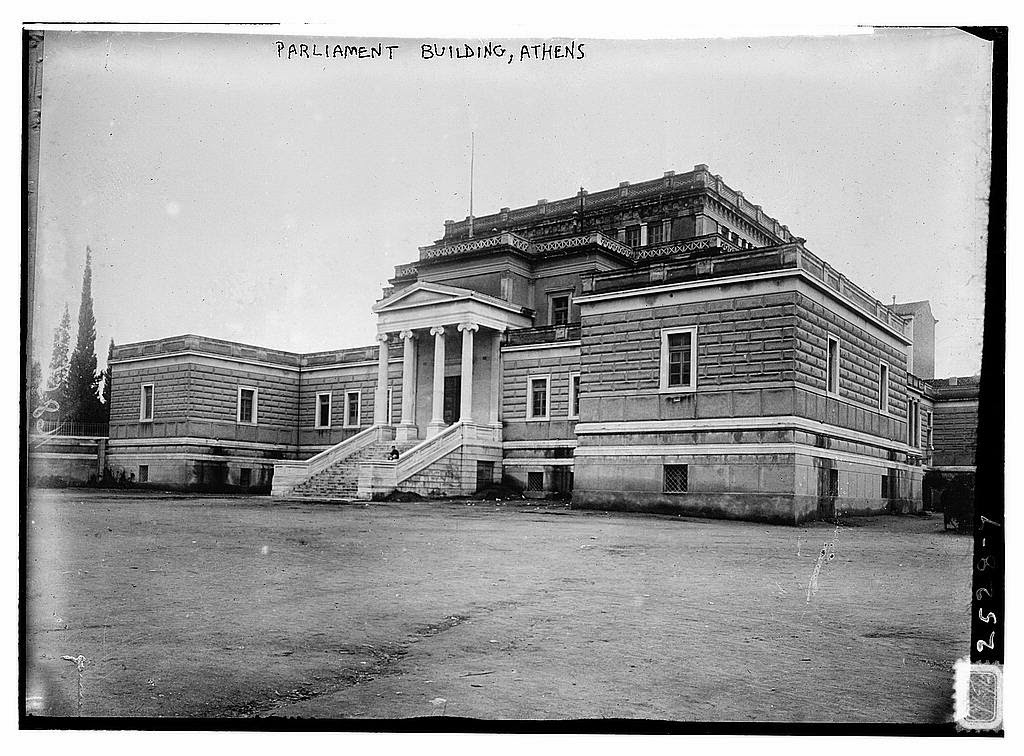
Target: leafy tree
57,381
83,398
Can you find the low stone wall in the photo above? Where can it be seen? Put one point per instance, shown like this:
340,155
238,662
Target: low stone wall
194,466
781,509
787,488
65,460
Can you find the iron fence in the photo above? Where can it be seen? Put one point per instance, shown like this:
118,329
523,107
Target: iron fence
64,428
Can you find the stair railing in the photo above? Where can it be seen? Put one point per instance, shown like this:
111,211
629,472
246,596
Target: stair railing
287,475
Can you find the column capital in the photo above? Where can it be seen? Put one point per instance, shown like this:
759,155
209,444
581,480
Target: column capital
469,327
382,338
406,335
437,330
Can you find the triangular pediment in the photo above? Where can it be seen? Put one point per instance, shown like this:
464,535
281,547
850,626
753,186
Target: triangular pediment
425,304
421,294
425,293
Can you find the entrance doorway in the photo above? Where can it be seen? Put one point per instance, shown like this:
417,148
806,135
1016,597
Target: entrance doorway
452,398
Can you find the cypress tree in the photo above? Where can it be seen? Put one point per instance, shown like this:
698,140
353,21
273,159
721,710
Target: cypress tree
57,381
107,383
83,381
35,387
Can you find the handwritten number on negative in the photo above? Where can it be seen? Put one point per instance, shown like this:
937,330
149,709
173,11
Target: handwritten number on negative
990,643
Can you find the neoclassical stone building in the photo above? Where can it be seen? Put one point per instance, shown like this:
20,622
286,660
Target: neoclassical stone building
661,346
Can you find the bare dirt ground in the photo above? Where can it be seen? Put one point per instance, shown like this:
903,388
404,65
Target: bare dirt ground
236,607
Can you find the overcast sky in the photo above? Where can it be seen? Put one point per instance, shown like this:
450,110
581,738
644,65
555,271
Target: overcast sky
228,192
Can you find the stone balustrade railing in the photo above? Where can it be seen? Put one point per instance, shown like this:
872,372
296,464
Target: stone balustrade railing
287,475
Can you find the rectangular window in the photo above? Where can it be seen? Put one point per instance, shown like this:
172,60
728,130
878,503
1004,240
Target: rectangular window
677,478
655,233
574,394
885,486
679,359
247,405
534,481
143,473
323,410
352,414
633,236
537,398
883,387
559,314
245,477
914,423
832,366
146,403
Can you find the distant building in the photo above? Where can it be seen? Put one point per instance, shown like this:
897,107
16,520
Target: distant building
662,346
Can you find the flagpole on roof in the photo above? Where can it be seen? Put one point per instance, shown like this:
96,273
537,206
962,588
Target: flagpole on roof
472,155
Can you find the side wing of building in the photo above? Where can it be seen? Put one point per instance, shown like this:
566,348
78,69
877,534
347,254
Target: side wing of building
765,387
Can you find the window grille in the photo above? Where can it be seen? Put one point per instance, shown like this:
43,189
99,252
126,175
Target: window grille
677,478
535,481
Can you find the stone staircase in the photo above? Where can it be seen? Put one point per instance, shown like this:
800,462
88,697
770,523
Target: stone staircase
340,480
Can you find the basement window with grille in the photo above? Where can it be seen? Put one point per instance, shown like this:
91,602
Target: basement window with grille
534,481
677,478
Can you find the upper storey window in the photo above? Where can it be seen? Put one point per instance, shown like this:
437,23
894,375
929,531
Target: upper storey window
679,359
832,366
633,236
559,312
655,233
323,410
247,405
146,403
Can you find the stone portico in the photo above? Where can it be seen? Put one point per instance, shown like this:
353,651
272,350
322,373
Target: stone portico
451,356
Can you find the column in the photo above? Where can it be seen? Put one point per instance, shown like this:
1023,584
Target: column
437,424
406,430
494,413
466,411
380,396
